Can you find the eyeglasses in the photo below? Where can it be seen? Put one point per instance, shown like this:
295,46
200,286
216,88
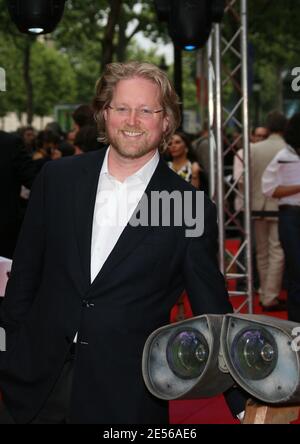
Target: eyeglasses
142,113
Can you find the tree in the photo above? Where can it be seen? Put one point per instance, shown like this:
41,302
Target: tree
38,77
14,98
109,25
11,35
274,32
53,79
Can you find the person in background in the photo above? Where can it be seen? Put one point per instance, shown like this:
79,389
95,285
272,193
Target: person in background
269,253
47,144
201,149
259,134
82,116
55,128
183,161
281,180
16,169
87,140
28,135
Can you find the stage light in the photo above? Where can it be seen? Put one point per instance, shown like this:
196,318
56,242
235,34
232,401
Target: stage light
36,16
36,30
180,361
190,22
259,354
190,47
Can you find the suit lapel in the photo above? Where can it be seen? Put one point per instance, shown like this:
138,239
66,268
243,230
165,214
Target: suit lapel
84,199
132,236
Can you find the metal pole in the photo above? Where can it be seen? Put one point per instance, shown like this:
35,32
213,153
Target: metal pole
178,78
211,111
229,46
219,144
246,143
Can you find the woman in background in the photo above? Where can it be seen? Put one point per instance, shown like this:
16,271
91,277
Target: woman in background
183,161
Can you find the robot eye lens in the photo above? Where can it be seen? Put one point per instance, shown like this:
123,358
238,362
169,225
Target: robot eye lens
254,353
187,353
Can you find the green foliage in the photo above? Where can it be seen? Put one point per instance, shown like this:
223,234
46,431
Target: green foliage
53,79
82,24
14,97
68,71
274,32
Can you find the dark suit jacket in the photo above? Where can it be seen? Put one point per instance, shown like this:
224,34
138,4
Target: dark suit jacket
16,169
49,297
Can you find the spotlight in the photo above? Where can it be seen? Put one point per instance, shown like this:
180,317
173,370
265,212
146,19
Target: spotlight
36,16
180,361
190,22
36,30
190,48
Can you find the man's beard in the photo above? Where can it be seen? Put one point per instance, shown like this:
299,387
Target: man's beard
130,150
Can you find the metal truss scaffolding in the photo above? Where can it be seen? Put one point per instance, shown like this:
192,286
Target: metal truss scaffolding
227,75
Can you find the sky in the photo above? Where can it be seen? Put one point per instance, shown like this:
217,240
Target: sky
145,43
163,49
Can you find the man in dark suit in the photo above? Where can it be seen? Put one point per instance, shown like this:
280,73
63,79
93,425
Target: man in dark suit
16,169
89,284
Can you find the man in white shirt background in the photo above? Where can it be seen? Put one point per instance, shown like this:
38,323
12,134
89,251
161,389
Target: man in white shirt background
281,180
269,253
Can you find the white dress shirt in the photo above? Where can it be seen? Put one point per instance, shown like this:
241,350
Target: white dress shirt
274,175
114,206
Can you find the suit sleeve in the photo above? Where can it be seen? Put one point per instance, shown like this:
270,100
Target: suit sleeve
25,275
204,282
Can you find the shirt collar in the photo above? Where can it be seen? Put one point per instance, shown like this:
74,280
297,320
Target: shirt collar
144,174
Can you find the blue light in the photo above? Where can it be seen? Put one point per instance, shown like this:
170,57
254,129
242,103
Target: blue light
190,47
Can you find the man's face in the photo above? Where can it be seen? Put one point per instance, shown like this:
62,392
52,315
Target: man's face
260,134
28,137
132,134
